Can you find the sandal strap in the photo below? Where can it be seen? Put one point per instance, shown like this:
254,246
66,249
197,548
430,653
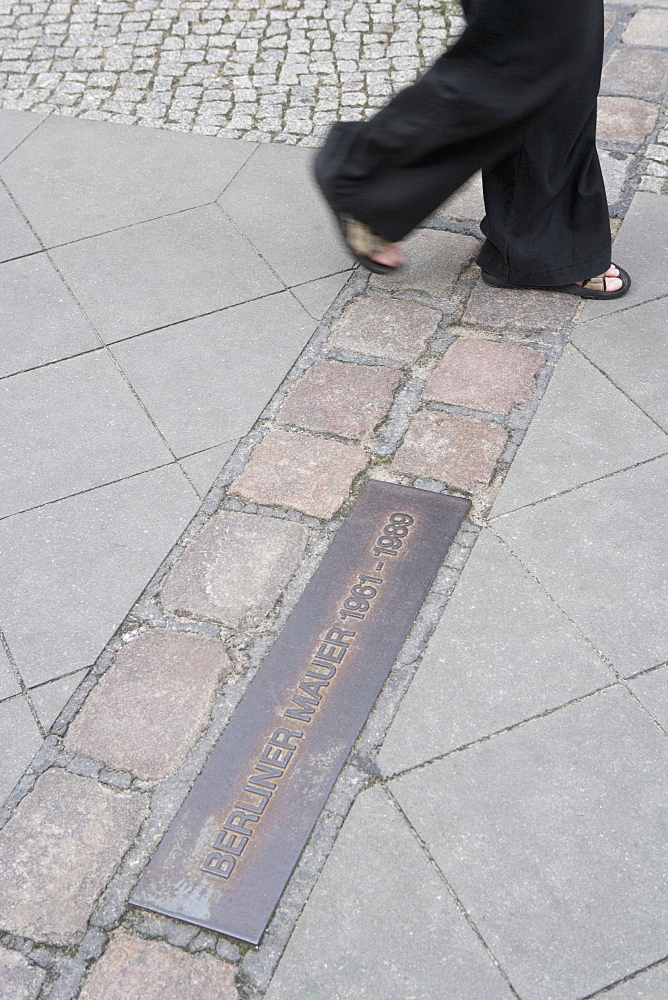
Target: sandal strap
596,284
362,240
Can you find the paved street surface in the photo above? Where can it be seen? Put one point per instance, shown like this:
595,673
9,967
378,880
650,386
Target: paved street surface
194,380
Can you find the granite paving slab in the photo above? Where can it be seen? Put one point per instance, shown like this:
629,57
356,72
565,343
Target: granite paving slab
203,467
161,272
502,652
599,551
205,381
49,699
64,428
8,683
650,985
631,347
76,178
551,837
652,690
15,126
21,741
16,237
277,206
71,569
584,429
640,247
41,320
636,73
380,924
20,979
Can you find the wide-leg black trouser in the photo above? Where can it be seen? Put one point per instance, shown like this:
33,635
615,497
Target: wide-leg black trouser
515,97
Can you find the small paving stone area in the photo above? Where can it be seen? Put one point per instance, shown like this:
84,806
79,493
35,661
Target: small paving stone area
496,832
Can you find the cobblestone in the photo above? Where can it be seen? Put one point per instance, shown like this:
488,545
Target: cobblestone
385,328
459,451
19,979
501,308
344,399
154,970
220,67
625,118
434,262
58,851
485,375
212,581
313,475
152,704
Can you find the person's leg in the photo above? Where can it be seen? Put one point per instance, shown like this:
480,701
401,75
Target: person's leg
468,111
547,218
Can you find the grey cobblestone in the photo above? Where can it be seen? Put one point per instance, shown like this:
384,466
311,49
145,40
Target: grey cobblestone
281,71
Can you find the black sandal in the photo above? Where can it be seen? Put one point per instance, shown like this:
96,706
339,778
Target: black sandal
593,288
361,242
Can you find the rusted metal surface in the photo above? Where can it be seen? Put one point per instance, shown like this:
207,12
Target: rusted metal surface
227,856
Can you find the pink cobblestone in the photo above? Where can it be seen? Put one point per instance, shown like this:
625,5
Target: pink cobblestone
485,375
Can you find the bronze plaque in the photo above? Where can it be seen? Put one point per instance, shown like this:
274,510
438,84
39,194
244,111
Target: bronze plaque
229,853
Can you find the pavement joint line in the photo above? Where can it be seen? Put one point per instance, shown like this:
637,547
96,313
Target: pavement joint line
625,309
14,148
648,670
237,172
250,243
612,382
451,890
620,678
626,979
574,489
424,764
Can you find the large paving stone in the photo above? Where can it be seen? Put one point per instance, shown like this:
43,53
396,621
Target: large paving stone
552,837
275,202
615,169
652,689
71,570
434,261
503,652
313,475
235,570
385,328
636,73
381,925
625,118
50,699
19,978
42,321
154,970
16,236
75,178
584,429
650,985
204,466
8,682
632,349
64,428
205,381
150,707
485,375
161,272
317,296
21,739
518,309
459,451
600,552
640,247
15,126
58,851
648,27
338,398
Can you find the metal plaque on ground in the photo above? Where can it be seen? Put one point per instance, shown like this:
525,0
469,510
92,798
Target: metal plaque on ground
229,852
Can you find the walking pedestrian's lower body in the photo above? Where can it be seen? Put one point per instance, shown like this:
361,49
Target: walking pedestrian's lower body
516,98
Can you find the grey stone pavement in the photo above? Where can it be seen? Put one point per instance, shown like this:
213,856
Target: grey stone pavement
194,380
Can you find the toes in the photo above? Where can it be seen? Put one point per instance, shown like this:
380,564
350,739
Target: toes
613,284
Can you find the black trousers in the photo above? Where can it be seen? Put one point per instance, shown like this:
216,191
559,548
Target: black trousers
515,97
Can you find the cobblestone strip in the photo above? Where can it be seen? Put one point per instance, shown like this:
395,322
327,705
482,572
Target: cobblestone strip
264,70
426,378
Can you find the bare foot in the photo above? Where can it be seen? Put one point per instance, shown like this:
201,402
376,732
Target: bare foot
390,255
614,282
